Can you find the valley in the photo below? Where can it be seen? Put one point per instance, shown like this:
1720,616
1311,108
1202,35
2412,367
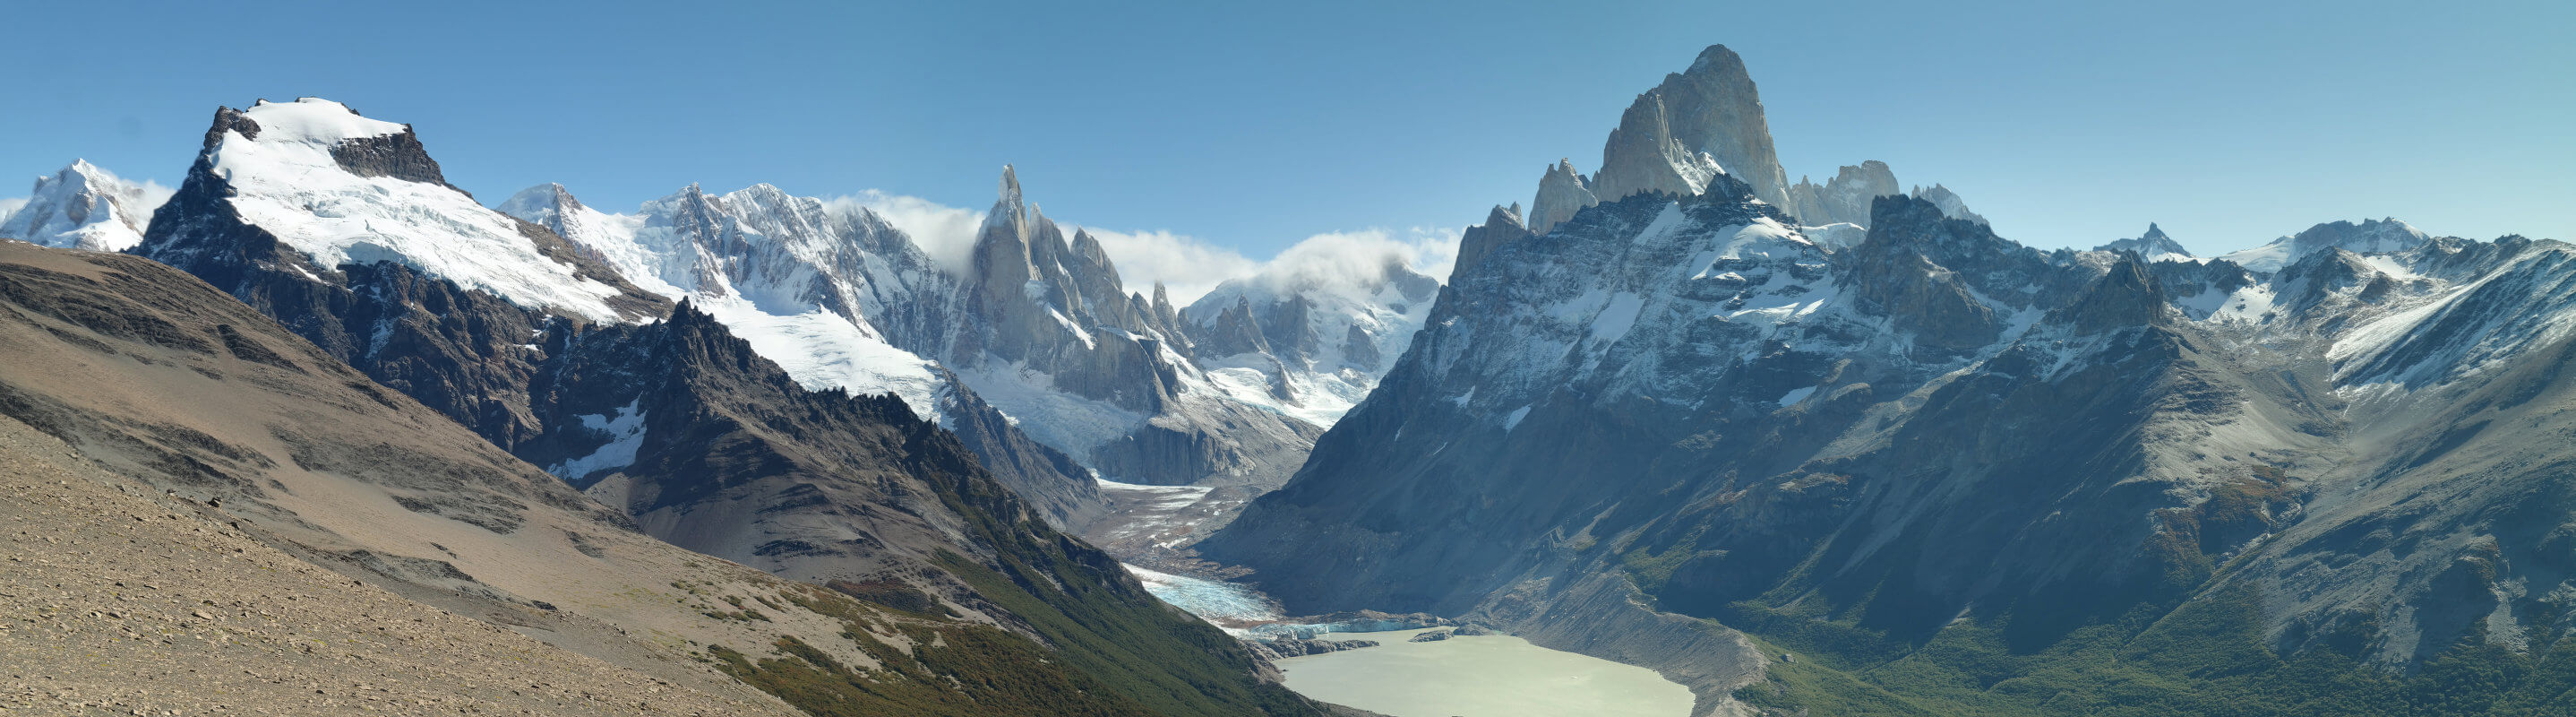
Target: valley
320,431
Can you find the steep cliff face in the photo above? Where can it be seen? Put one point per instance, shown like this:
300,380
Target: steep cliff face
1701,121
1561,193
1047,333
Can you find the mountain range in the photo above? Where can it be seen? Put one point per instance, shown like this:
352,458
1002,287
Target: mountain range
1801,448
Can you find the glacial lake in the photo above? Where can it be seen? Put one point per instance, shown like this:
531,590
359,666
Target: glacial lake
1482,676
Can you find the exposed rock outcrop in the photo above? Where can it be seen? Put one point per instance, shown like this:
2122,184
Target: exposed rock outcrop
1846,198
1699,122
1561,193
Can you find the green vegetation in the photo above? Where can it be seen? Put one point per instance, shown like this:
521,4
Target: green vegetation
1171,665
972,671
2205,657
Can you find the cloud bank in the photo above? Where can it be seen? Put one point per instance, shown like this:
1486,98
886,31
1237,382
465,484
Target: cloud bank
1187,266
946,233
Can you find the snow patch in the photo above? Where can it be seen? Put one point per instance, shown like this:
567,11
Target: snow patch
823,350
626,434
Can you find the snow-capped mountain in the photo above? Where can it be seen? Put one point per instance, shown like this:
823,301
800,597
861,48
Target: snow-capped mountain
824,292
2153,246
1309,338
1048,333
339,188
1039,325
807,285
1671,409
344,229
84,207
2370,236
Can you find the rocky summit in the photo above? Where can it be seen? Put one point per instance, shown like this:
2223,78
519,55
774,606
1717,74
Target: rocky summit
1677,426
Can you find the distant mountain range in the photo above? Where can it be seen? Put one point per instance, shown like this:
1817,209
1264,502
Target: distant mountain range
1805,449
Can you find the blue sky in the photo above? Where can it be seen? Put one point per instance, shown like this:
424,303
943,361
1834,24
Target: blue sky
1250,127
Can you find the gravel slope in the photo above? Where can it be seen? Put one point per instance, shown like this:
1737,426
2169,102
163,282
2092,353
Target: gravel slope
117,601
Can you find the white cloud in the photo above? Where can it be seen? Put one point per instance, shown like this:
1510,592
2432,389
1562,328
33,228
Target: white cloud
1362,256
10,206
1188,266
154,195
946,233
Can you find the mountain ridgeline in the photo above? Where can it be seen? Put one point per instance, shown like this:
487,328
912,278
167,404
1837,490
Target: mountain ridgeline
1953,474
1806,449
339,229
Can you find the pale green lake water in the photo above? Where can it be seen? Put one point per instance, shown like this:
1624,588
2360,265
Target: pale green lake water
1483,676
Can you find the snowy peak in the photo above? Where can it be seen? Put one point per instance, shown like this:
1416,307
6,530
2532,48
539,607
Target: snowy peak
314,121
84,207
2375,236
1317,327
2153,245
342,189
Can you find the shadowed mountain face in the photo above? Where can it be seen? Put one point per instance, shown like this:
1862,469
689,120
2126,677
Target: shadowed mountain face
1902,453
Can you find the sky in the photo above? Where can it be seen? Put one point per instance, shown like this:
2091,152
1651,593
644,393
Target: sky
1208,137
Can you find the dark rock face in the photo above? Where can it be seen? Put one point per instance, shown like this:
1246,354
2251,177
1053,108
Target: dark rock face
1501,228
465,353
1434,636
399,156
